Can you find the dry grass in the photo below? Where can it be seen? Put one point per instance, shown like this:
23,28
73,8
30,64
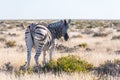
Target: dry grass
102,49
48,76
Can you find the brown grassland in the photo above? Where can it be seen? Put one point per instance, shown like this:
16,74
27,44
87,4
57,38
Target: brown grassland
95,41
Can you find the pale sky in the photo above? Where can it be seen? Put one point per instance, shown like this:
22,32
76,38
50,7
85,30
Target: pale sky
59,9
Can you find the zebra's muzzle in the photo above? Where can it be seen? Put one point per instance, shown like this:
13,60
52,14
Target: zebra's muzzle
66,37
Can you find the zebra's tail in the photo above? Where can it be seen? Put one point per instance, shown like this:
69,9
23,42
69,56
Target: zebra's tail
28,36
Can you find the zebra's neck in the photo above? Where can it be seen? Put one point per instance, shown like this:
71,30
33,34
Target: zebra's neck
55,31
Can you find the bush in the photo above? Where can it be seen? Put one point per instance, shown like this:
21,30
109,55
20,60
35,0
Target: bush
84,45
10,27
10,43
69,63
77,36
115,37
111,68
87,31
2,39
100,34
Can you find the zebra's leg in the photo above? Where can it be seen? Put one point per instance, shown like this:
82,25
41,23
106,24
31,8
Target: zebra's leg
38,52
51,52
28,57
29,44
44,57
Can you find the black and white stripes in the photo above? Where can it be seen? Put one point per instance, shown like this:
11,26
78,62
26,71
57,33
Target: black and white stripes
42,37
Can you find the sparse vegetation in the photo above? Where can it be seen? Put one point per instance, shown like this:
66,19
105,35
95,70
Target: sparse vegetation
63,48
77,36
10,43
8,67
84,45
12,34
2,39
10,27
118,30
109,68
116,37
100,34
87,31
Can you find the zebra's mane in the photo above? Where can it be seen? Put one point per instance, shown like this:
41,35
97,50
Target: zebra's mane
56,24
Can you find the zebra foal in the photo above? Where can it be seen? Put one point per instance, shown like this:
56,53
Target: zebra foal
43,38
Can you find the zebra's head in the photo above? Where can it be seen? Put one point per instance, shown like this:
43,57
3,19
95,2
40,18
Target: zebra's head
59,29
65,28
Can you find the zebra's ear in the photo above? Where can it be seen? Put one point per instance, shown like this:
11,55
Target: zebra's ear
65,22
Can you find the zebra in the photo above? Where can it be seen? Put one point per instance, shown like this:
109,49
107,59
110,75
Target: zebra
43,38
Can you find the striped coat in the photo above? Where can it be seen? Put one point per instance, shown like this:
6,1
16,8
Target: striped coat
42,38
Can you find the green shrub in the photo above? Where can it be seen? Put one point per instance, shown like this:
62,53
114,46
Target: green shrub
69,63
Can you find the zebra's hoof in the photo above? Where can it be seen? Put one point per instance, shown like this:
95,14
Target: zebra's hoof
37,68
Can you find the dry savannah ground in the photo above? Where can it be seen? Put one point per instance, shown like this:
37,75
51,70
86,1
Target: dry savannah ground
94,41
